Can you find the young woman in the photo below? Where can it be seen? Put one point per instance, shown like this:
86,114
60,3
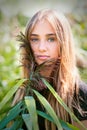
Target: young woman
49,40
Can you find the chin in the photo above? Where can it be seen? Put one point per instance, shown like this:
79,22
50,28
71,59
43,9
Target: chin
46,62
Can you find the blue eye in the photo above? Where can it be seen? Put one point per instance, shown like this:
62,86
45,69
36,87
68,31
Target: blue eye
51,39
34,39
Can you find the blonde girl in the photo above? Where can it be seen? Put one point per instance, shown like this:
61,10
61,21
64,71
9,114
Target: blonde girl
49,40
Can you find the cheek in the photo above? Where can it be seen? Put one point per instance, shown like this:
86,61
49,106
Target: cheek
55,51
56,54
33,48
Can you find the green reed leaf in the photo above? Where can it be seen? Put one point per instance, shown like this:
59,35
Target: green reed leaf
10,93
49,109
55,94
31,106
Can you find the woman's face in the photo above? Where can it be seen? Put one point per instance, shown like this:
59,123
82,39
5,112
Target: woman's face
44,42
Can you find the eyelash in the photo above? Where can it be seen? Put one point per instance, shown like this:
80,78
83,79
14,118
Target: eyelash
34,39
50,39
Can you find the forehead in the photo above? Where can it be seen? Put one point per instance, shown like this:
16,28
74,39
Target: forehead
43,26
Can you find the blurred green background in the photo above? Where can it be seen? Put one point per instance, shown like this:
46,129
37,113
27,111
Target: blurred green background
14,15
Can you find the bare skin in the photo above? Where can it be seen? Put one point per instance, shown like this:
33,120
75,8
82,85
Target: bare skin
44,44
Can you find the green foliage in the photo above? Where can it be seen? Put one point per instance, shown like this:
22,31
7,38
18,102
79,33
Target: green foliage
62,103
31,106
17,109
9,94
9,72
49,110
1,16
83,73
79,29
22,19
25,111
15,121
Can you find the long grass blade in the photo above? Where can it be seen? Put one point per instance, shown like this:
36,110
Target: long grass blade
13,113
17,125
27,120
62,102
10,93
31,106
49,109
65,125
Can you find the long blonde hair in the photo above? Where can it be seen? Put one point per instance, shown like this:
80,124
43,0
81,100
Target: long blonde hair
65,76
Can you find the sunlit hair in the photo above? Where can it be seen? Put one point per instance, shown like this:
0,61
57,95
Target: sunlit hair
66,75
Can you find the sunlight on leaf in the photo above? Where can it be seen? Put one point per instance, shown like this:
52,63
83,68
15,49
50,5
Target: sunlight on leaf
62,103
10,93
49,109
31,106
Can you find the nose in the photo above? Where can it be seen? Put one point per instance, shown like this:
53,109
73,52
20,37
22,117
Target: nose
42,45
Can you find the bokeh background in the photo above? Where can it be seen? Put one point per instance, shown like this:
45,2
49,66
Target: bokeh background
14,15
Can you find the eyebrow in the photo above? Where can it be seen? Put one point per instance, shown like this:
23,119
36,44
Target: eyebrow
50,34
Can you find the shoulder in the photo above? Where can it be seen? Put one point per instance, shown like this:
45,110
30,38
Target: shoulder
80,101
82,88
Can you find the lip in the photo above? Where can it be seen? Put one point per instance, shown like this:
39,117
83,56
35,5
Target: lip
42,57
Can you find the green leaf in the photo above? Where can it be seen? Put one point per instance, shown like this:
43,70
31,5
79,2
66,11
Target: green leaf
17,124
27,120
45,115
13,113
10,93
65,125
31,106
49,109
62,102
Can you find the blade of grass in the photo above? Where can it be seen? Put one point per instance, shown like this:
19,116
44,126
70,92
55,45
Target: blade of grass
62,102
17,124
27,120
10,93
31,106
10,116
49,109
65,125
